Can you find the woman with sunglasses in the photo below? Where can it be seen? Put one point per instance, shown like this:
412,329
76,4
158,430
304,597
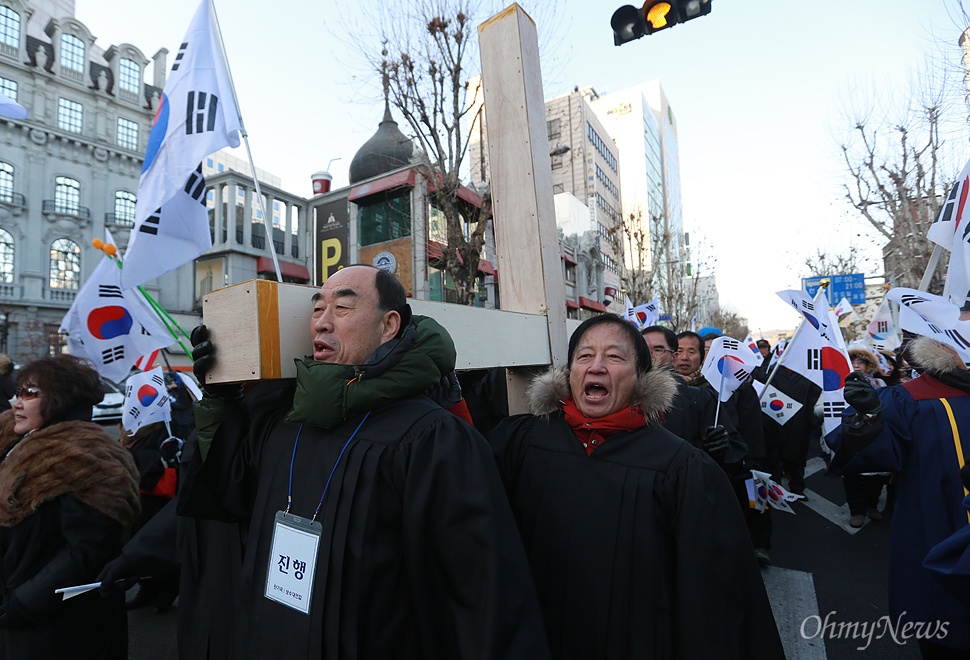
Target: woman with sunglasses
68,494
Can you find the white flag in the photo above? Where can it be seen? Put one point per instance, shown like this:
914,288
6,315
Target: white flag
146,400
881,331
630,313
768,493
647,314
777,351
844,307
778,405
932,316
949,230
728,364
815,353
196,116
752,344
110,326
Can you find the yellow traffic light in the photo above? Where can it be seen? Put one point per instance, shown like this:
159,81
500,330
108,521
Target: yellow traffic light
656,14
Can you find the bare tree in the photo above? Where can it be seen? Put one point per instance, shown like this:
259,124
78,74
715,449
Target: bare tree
632,237
427,83
900,171
826,262
730,322
429,53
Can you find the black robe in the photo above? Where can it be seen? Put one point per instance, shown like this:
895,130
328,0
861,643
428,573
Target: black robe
638,550
419,556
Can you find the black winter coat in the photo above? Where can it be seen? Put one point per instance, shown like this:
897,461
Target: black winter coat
67,495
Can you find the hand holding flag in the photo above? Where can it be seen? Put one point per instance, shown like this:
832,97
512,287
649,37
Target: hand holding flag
728,364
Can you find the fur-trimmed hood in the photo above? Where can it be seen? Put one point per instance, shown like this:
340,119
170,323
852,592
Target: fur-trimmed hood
867,356
654,393
931,356
70,458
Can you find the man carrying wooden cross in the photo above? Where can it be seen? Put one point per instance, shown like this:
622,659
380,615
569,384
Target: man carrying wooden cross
377,523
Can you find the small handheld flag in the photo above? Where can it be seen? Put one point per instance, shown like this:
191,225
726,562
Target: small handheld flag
146,400
728,364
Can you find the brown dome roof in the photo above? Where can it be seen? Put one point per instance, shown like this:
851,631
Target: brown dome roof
387,150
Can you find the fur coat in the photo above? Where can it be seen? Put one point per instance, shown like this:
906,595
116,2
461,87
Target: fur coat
71,458
654,393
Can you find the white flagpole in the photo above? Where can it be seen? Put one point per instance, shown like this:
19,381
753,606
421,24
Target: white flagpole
245,136
781,358
931,265
720,392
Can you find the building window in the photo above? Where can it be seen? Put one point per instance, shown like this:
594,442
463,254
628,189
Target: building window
129,76
8,87
385,219
125,208
600,146
6,182
65,264
9,27
70,115
6,257
208,163
67,195
72,53
553,128
127,134
221,167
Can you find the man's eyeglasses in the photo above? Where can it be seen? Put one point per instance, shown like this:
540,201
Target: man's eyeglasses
27,393
657,350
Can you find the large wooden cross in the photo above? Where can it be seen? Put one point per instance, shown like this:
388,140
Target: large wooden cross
260,326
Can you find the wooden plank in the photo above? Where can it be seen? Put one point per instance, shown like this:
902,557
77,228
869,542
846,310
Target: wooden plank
526,237
259,327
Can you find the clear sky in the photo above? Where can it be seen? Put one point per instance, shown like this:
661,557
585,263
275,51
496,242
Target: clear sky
758,89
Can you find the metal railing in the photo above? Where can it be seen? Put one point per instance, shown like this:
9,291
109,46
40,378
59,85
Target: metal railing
113,220
16,199
53,206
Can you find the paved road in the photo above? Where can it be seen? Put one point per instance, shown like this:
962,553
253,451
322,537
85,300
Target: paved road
821,567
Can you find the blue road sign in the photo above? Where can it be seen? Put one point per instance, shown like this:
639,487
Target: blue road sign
850,285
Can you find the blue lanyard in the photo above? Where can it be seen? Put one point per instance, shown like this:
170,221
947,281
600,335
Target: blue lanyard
289,491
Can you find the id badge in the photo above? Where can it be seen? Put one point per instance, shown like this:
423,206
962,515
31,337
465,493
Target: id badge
292,561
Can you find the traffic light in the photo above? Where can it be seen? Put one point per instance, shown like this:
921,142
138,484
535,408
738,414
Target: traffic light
630,23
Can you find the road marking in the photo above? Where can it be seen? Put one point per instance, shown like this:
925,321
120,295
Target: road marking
792,597
838,515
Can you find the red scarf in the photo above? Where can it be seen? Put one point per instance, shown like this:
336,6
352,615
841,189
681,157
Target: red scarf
593,431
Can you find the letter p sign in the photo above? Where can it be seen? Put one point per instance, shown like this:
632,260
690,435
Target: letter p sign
330,253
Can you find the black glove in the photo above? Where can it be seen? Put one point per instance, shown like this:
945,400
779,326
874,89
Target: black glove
203,359
171,452
861,395
716,441
446,392
118,576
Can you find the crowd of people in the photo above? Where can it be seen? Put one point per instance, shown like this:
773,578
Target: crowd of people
371,508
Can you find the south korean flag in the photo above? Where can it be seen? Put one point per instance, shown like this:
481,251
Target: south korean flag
779,406
110,326
935,317
729,363
146,400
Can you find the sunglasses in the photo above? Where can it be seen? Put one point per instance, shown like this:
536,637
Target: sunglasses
27,393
